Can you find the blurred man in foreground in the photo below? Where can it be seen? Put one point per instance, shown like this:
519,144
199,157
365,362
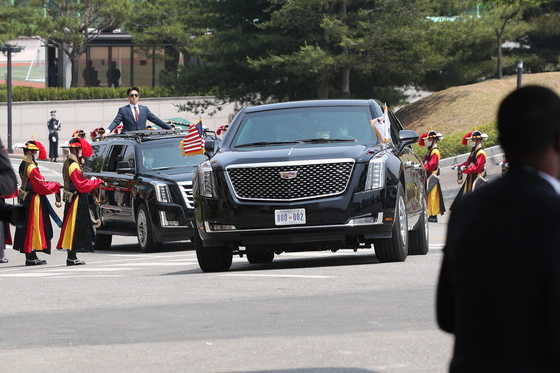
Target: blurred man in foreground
499,286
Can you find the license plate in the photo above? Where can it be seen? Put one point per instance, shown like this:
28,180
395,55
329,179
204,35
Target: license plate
289,217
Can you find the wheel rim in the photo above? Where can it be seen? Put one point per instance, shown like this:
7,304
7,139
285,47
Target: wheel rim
402,222
142,228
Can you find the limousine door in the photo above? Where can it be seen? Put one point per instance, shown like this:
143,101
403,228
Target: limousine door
118,191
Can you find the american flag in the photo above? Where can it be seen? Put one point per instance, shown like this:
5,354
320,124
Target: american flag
194,142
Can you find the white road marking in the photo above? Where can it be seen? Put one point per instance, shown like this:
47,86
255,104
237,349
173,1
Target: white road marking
257,275
153,264
29,274
184,260
90,276
90,269
313,253
132,258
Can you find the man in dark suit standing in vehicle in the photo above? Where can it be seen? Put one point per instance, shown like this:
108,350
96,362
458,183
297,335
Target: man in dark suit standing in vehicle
134,116
499,286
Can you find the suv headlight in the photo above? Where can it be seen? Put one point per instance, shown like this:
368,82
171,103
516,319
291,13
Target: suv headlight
376,174
207,181
162,192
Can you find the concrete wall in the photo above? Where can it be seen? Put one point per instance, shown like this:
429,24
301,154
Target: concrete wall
30,118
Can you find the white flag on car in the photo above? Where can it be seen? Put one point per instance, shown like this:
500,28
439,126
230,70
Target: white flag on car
382,126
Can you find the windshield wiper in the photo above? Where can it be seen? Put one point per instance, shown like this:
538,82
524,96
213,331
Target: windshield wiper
320,139
264,143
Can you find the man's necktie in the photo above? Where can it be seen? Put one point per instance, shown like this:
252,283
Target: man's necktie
136,114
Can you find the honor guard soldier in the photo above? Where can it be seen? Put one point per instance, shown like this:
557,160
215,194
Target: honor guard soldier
431,163
77,232
36,235
54,125
222,129
473,167
80,133
97,134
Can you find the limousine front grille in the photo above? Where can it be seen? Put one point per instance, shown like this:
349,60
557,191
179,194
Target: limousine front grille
186,191
290,181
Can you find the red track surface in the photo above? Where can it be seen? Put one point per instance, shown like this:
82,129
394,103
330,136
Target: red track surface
28,84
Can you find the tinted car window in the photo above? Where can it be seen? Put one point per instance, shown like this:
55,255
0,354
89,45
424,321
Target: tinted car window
128,156
394,129
167,154
95,162
114,157
306,123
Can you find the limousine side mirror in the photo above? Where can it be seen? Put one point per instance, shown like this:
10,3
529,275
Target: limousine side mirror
123,167
209,146
407,137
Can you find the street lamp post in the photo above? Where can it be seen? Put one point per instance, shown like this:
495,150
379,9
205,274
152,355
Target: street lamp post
519,73
9,49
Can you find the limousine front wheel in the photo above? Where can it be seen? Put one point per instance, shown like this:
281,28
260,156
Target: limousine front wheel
144,231
395,249
212,258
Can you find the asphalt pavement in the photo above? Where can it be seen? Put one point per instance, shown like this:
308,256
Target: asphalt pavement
126,311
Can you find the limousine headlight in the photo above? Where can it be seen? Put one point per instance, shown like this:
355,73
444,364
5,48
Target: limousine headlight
207,181
162,192
375,178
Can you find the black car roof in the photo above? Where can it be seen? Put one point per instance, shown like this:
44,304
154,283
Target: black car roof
308,103
151,135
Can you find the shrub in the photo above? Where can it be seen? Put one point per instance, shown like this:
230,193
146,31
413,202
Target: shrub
24,93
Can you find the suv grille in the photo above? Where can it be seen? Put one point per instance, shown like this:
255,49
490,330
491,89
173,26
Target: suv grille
186,191
290,181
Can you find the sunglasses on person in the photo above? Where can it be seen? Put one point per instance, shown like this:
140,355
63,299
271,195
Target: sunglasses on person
133,95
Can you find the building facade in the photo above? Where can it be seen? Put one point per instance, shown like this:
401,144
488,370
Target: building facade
113,60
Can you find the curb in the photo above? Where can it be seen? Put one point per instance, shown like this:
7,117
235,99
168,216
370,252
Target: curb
458,159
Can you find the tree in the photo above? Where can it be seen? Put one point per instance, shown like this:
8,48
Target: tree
506,18
14,20
371,45
541,45
466,49
221,38
160,22
277,50
72,24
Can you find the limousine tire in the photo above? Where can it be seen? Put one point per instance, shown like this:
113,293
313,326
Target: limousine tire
144,231
418,238
213,258
395,249
259,256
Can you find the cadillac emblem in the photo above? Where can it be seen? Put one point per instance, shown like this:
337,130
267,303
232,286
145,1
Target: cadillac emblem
287,175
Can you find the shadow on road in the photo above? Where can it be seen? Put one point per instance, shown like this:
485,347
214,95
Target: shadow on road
293,263
314,370
335,260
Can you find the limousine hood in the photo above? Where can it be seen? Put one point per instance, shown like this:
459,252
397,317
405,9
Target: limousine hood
173,174
300,152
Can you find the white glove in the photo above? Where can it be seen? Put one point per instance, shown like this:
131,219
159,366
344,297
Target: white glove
463,168
455,167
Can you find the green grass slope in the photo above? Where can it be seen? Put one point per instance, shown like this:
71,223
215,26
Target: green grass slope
464,108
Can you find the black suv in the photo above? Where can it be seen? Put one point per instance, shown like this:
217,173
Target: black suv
310,175
148,187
